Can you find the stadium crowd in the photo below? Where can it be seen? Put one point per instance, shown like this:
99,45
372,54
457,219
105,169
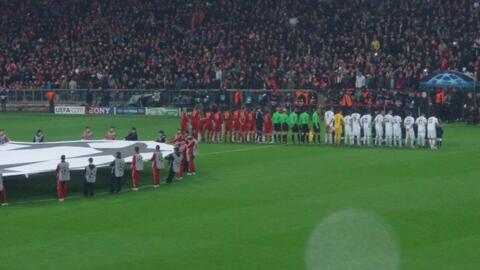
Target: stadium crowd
269,44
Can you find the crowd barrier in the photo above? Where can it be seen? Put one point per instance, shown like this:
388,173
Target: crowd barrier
86,110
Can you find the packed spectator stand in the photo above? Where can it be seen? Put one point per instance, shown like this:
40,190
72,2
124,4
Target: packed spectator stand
363,53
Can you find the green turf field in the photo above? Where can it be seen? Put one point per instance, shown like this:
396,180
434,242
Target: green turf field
265,207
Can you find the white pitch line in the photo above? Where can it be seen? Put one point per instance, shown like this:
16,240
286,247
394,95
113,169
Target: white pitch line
238,150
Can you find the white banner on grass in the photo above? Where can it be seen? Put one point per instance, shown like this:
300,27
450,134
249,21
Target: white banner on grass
24,158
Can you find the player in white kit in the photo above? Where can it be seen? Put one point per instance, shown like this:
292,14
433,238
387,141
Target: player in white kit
388,120
408,124
356,129
421,123
366,122
329,129
397,131
347,129
432,124
379,128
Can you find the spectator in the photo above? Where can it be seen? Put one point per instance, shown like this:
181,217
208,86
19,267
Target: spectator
132,136
231,44
3,99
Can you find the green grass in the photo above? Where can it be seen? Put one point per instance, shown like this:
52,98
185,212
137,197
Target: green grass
250,206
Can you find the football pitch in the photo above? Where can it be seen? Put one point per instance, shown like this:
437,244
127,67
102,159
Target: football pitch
266,207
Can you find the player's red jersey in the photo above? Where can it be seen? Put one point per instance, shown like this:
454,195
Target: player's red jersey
195,120
208,121
217,121
191,149
251,120
236,120
267,123
203,124
183,121
227,117
243,120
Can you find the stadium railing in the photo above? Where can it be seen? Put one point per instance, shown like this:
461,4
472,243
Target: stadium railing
133,97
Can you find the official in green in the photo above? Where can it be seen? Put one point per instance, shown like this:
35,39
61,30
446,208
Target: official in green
304,122
293,124
284,124
316,127
277,126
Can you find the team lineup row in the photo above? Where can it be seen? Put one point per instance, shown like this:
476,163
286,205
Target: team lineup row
383,129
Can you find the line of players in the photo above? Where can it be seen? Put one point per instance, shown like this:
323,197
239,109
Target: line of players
389,130
257,125
249,126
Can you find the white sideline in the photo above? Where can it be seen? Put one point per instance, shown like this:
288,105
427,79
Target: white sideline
145,186
238,150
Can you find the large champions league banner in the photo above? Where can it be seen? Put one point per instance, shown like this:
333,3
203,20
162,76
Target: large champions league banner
23,158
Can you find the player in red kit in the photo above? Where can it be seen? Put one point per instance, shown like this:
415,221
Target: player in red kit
243,124
191,153
203,128
184,121
157,165
208,126
237,131
195,121
217,126
228,124
137,167
251,126
267,126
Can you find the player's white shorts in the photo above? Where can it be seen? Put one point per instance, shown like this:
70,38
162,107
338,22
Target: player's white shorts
410,133
388,131
367,131
379,131
330,128
356,131
432,133
421,133
348,131
397,132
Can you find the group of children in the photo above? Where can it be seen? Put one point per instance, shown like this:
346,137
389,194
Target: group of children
258,125
252,126
181,162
